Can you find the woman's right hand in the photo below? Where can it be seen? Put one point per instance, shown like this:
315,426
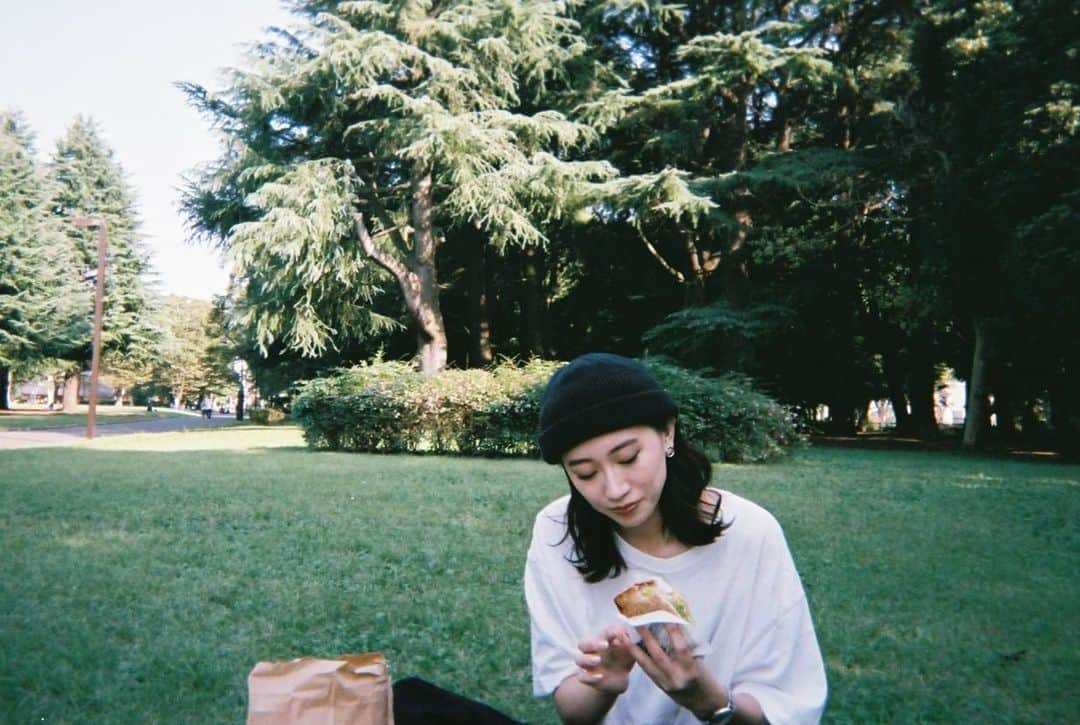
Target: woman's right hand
606,660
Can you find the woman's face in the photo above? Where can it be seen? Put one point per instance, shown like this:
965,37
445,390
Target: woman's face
621,474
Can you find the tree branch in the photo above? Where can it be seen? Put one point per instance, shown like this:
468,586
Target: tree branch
388,261
400,242
659,258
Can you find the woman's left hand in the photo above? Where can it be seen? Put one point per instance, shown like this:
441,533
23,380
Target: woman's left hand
677,672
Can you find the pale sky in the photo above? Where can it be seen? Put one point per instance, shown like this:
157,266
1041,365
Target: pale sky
116,61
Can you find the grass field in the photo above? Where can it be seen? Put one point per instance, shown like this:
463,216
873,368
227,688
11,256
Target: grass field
143,576
41,419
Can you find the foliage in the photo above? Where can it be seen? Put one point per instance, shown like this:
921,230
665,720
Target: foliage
717,335
814,193
726,415
266,416
384,123
190,360
43,306
983,178
88,182
388,407
697,92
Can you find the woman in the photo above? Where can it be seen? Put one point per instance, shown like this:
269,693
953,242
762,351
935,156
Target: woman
639,507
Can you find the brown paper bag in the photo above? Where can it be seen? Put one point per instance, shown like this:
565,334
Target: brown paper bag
353,689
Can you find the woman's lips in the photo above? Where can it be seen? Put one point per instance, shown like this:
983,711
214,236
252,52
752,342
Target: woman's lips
624,510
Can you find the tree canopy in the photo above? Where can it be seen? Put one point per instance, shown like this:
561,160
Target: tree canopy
816,193
353,145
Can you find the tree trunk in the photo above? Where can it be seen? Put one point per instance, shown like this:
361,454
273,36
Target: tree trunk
736,272
431,332
780,116
480,354
921,389
739,132
533,305
1064,418
894,379
120,392
5,388
423,300
843,416
240,401
71,390
976,416
416,275
50,396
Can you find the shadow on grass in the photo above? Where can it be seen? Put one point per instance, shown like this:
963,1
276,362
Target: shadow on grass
944,444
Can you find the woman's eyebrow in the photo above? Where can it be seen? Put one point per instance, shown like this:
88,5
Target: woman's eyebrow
615,449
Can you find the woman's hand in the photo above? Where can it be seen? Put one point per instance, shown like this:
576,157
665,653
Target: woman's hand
677,672
606,660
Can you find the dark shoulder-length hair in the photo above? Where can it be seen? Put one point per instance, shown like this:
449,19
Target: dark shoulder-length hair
689,471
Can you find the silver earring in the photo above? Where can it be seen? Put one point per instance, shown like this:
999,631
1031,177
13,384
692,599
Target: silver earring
670,451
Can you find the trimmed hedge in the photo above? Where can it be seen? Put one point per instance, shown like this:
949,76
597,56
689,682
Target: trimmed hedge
265,416
388,407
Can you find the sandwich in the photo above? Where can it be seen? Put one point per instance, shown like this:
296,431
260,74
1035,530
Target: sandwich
652,595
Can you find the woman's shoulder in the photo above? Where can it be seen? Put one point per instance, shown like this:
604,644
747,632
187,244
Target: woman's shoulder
550,523
555,510
736,510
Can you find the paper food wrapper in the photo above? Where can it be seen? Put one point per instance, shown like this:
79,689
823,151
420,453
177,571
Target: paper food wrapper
655,621
352,689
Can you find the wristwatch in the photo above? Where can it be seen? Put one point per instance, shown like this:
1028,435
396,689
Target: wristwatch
724,714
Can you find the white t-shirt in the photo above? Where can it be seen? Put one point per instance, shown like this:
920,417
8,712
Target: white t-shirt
751,618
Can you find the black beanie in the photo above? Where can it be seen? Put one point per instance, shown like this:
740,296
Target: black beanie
596,394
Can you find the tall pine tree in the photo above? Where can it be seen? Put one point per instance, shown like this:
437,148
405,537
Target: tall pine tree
88,181
385,124
43,309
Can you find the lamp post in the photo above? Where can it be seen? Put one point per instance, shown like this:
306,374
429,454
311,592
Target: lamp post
99,311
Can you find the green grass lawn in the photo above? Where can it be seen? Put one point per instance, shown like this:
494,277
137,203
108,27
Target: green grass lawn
29,419
142,577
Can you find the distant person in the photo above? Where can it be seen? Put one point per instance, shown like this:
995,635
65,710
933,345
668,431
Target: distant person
640,507
207,408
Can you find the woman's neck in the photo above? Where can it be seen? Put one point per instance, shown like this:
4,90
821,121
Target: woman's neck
653,539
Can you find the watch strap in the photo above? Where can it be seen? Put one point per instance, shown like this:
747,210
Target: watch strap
724,714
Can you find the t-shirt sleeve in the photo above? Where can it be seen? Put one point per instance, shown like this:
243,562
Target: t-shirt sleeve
787,676
780,663
554,644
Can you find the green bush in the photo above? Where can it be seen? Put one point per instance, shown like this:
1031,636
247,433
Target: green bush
388,407
266,416
727,416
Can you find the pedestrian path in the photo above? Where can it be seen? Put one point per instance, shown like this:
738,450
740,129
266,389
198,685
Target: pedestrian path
175,421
